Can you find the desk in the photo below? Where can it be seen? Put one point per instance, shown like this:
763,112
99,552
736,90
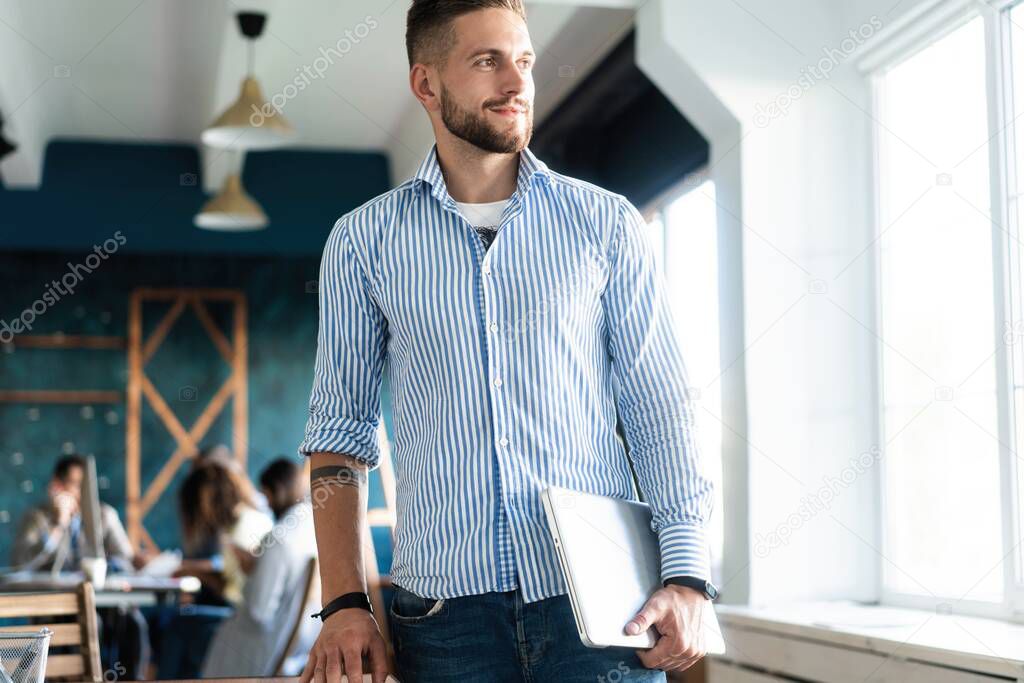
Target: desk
268,679
120,590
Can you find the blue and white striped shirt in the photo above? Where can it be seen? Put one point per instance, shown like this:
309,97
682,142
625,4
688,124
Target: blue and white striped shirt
507,367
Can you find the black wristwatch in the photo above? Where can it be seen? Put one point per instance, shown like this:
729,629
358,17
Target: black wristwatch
361,600
709,589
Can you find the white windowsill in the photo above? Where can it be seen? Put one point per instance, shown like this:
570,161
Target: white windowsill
973,643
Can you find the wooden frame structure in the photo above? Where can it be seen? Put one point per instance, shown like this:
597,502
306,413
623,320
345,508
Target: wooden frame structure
236,387
235,352
62,342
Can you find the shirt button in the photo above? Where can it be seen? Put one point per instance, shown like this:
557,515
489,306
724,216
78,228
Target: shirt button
493,327
503,441
487,270
497,381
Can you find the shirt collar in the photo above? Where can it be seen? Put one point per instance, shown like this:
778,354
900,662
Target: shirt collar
429,173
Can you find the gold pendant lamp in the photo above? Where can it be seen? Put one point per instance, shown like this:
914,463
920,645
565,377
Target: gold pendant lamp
250,122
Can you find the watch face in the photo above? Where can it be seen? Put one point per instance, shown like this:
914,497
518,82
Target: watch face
711,591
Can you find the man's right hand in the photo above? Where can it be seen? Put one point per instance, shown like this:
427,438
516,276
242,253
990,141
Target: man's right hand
65,505
345,636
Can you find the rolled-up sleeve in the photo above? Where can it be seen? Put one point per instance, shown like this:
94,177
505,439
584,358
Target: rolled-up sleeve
652,400
344,405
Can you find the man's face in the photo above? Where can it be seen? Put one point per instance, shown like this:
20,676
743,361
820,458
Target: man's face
487,89
272,501
71,484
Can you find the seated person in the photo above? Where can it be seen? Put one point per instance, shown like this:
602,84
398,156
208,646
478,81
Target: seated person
214,501
53,529
56,525
203,552
275,590
221,454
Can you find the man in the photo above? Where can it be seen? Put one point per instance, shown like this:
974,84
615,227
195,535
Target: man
517,310
254,638
54,527
282,486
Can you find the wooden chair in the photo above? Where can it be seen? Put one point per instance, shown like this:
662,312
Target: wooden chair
80,633
311,603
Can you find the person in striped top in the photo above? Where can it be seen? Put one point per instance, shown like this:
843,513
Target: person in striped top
519,315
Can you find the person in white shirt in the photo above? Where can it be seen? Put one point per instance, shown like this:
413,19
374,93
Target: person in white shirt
251,642
215,502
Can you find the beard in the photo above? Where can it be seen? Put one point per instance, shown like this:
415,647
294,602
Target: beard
477,131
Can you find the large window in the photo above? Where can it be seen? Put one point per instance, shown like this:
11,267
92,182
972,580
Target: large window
684,233
949,296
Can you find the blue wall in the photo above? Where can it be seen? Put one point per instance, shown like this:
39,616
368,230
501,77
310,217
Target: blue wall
89,192
151,192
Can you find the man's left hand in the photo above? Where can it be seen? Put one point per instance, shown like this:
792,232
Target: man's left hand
677,613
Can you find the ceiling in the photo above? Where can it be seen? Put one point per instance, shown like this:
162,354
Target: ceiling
161,70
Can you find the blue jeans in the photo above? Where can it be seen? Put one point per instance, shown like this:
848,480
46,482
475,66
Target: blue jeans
497,637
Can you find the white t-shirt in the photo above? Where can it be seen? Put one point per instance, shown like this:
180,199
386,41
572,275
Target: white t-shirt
484,217
250,642
248,531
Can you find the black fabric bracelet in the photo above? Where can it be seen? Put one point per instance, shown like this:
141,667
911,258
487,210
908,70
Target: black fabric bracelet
709,589
345,601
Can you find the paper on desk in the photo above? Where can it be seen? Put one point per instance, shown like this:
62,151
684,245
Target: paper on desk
163,565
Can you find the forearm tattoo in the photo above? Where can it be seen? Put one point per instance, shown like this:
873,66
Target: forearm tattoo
323,479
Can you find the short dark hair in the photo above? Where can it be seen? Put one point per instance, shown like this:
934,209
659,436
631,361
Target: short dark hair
63,467
429,34
281,473
282,480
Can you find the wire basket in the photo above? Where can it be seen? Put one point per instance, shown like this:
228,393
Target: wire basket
23,656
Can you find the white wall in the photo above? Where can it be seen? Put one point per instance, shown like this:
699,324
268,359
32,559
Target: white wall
795,193
112,70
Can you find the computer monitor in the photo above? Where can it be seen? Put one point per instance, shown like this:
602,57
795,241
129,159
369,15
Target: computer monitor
92,525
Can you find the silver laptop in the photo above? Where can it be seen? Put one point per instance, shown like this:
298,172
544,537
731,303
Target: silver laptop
612,564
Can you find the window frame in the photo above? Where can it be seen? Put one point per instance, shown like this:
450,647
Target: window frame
657,208
935,23
1009,298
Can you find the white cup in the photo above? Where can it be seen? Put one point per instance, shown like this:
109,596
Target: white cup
95,570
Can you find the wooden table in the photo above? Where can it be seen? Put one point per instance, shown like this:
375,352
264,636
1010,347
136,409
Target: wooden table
120,590
268,679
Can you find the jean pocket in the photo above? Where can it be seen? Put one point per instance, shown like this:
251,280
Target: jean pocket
407,607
